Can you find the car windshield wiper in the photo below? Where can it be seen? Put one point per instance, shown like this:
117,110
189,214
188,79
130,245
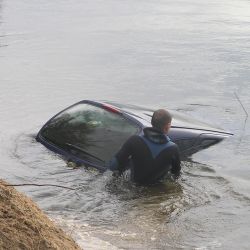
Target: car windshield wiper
83,151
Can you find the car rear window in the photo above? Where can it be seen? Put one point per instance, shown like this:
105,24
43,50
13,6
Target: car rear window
89,132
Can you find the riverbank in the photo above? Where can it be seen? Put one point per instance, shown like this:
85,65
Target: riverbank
24,226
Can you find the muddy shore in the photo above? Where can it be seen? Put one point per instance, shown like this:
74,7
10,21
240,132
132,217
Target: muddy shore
24,226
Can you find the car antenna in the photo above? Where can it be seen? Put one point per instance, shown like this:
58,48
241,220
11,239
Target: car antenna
241,104
245,122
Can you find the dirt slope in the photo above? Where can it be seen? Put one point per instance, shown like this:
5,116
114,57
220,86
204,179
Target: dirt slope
24,226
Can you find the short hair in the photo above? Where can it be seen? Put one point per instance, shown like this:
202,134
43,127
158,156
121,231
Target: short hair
160,119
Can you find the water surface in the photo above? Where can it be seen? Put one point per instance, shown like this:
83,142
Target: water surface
190,56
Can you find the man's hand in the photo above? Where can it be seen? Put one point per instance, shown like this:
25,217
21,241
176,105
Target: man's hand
116,173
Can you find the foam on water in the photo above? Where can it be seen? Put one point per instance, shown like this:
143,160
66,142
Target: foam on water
110,210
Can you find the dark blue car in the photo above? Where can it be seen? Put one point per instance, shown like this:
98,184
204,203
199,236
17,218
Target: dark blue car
90,133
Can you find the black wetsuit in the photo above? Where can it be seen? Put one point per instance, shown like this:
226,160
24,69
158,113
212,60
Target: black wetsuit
152,154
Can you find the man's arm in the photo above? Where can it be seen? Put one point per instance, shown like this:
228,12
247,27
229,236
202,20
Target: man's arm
176,163
120,160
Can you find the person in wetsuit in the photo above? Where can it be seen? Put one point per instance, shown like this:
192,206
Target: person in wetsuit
150,155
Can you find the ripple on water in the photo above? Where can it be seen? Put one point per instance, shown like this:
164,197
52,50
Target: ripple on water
116,213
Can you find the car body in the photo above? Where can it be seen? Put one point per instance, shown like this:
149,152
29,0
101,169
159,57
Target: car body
90,132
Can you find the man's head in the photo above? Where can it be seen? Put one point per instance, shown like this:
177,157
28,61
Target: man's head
161,120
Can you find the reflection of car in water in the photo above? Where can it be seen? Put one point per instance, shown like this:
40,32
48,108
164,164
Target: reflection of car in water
90,132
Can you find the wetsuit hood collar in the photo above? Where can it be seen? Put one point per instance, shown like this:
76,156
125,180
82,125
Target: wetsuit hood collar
155,136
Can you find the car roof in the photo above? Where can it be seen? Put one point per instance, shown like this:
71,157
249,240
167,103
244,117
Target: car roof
144,115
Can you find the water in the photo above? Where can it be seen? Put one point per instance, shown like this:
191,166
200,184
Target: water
191,56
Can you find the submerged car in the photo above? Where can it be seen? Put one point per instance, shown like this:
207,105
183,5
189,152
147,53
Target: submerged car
89,132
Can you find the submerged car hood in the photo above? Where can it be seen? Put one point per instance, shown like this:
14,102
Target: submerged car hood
179,120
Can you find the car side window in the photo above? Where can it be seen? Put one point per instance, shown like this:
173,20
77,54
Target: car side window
89,132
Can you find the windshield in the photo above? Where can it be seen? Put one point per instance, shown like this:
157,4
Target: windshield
89,132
